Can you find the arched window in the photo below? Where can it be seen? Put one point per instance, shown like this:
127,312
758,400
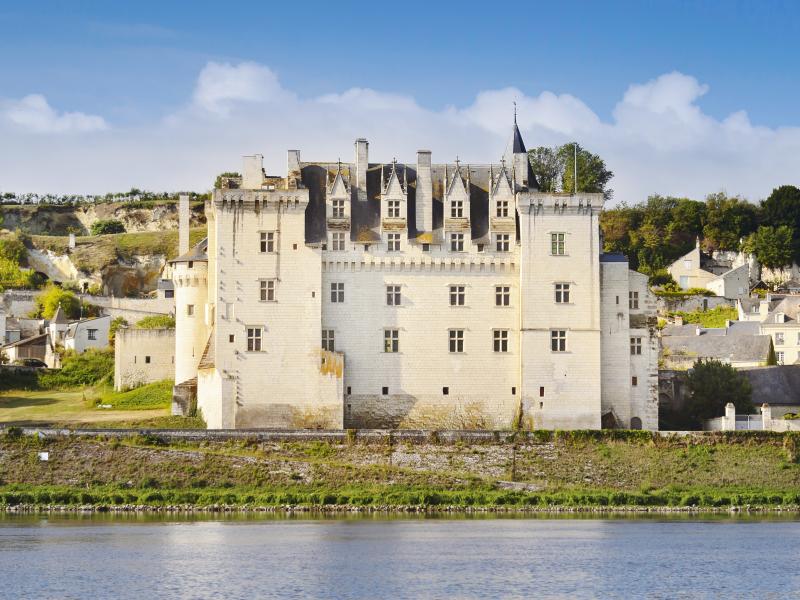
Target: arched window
636,423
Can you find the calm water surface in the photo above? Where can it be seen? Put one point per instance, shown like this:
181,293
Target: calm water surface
399,558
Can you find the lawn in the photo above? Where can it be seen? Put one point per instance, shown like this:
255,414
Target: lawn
77,406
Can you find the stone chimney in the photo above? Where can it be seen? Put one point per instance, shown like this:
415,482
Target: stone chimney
183,224
253,172
362,164
424,191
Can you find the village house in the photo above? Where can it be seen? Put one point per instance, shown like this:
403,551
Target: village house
739,344
726,274
409,295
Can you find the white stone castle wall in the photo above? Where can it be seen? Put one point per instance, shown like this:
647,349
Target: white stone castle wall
132,347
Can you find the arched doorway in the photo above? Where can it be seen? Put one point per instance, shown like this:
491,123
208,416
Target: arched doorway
636,423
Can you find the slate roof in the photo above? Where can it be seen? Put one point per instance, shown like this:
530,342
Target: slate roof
779,385
613,257
737,328
165,284
208,359
790,307
28,341
58,316
714,343
197,253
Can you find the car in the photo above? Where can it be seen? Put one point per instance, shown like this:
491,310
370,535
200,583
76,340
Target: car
30,362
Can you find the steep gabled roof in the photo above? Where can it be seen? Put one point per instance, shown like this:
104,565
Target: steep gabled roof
502,177
394,179
59,317
339,186
456,178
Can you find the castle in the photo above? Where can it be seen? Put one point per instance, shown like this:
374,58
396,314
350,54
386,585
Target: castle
418,295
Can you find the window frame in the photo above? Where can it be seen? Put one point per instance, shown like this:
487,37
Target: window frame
337,208
393,209
267,242
562,291
500,341
338,241
456,242
393,242
337,292
633,300
391,340
502,295
91,334
329,340
255,338
457,294
636,346
501,208
502,242
393,295
558,243
779,338
456,209
558,341
455,341
190,310
266,290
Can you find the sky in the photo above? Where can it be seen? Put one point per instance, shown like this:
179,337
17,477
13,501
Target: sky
679,98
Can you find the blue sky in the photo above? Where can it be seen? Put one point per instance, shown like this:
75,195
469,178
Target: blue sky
129,68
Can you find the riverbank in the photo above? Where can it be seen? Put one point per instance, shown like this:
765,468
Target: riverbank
434,473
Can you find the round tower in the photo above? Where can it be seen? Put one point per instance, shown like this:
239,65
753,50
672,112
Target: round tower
190,277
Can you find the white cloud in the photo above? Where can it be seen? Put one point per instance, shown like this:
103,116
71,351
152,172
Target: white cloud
657,140
32,113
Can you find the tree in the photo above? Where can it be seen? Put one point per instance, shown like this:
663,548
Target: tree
103,227
223,176
773,246
554,170
593,176
782,207
13,249
712,384
156,322
51,298
547,166
728,220
116,323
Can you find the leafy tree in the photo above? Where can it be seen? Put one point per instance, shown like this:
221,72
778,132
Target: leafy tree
773,246
782,207
547,166
156,322
712,384
728,220
13,249
51,298
218,181
116,323
593,176
12,276
105,226
554,170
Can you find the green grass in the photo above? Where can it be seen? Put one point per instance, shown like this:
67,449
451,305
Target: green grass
551,469
153,395
715,317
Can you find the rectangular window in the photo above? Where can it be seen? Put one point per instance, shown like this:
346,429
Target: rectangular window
92,334
502,208
385,390
426,247
393,295
267,290
562,293
457,295
502,242
394,208
231,338
779,339
190,310
558,244
502,295
798,339
169,293
337,241
328,342
267,241
391,340
337,292
445,391
779,357
634,381
147,360
457,209
456,242
394,242
254,339
636,346
633,300
500,340
338,209
558,340
456,340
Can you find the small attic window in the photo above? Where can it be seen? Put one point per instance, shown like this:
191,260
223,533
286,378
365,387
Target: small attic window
426,247
480,247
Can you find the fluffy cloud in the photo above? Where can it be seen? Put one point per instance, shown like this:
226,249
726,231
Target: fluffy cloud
33,114
657,140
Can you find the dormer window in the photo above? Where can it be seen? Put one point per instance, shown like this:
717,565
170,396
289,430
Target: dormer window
393,209
456,242
338,209
457,209
502,208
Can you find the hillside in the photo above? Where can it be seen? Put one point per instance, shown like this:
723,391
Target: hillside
529,471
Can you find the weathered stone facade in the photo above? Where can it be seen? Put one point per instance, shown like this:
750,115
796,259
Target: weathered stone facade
411,296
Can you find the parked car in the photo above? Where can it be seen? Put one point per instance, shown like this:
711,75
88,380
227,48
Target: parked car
30,362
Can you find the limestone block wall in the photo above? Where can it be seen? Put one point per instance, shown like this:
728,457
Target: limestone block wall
143,356
191,317
282,384
644,366
561,390
615,347
424,383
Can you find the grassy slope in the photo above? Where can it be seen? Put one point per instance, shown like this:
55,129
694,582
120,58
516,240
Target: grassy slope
570,470
92,253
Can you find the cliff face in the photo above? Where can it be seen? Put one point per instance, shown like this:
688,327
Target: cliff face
62,220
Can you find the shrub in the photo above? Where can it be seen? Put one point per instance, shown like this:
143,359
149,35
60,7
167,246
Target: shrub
153,395
12,276
116,323
51,298
103,227
90,368
156,322
13,249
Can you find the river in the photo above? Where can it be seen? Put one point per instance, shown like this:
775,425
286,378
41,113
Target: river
386,558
